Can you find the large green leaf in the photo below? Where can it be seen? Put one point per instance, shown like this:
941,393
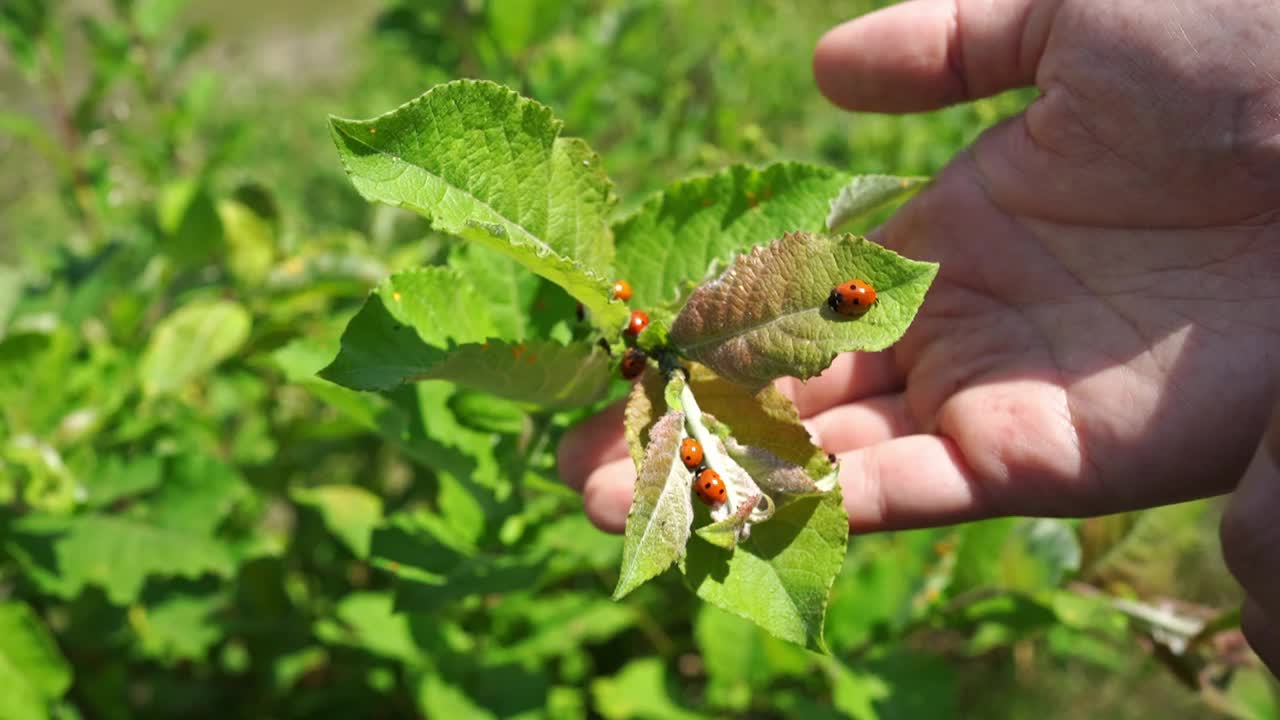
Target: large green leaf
662,511
780,577
740,658
766,317
33,672
410,328
349,511
64,555
490,166
406,327
638,692
677,235
191,341
541,372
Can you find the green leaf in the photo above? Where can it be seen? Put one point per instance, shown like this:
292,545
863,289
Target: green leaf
349,511
638,691
1014,554
116,479
155,16
780,577
251,242
186,213
678,235
33,673
766,317
541,372
661,511
490,166
179,627
368,620
488,413
191,341
855,693
740,658
867,193
114,553
10,292
199,492
406,328
438,698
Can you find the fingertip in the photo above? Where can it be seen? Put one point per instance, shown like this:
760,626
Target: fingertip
591,443
607,494
892,60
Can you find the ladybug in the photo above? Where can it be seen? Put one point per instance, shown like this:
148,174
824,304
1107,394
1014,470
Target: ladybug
621,290
633,363
637,323
852,297
709,487
691,453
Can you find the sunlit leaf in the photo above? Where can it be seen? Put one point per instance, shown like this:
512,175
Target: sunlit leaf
490,166
766,316
191,341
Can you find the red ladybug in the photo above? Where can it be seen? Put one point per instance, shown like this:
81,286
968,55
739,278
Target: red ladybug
852,297
621,290
637,323
710,488
691,453
633,363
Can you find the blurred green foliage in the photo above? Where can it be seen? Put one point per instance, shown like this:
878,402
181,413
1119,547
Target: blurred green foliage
192,523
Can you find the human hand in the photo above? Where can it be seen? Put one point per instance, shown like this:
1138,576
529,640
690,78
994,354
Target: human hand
1104,328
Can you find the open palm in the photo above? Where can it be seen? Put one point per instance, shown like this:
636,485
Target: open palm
1104,329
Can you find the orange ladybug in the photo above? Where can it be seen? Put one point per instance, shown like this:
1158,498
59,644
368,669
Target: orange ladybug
852,297
621,290
710,488
691,453
633,362
638,321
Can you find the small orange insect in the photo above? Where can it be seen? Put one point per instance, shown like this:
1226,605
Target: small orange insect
691,453
852,297
621,290
637,323
710,488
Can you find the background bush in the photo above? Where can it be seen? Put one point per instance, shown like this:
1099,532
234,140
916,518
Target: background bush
192,523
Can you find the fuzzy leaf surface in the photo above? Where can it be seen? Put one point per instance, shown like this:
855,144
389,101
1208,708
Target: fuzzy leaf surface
490,166
542,372
661,512
867,193
766,317
679,233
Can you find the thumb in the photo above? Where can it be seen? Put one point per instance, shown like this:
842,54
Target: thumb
925,54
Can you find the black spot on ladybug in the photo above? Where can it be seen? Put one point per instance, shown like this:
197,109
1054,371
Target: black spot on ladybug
707,485
856,301
722,491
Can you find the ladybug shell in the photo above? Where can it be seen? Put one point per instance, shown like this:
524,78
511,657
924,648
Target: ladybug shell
852,297
691,453
621,290
710,488
638,321
633,363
